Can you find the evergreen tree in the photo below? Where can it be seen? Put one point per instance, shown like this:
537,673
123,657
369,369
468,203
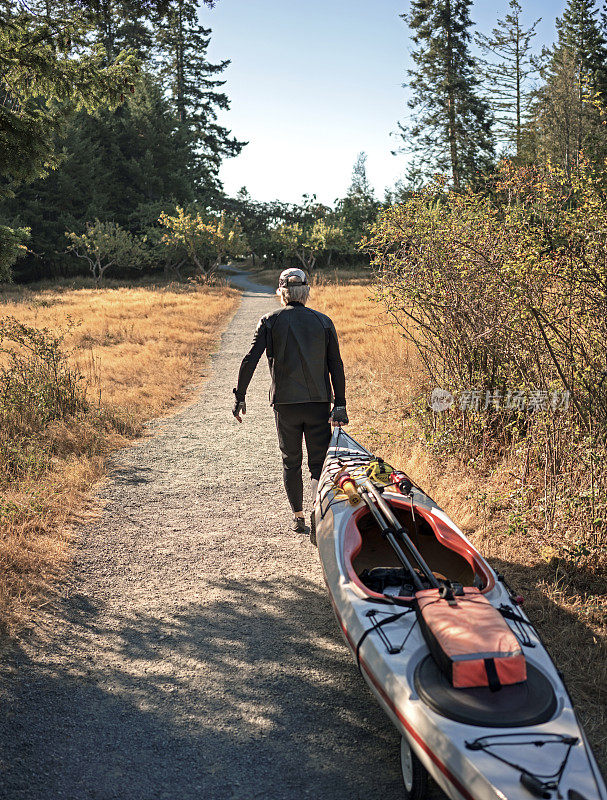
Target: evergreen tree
115,166
452,124
360,186
358,209
125,24
506,74
580,32
68,75
569,104
196,88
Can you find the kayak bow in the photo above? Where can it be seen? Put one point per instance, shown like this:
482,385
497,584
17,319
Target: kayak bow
379,556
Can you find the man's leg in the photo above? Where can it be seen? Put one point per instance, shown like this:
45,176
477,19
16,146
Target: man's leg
289,426
317,431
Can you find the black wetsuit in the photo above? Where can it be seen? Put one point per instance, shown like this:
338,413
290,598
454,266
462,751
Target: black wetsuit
307,373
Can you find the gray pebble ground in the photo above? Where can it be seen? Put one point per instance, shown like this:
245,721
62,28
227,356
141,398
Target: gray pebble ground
194,654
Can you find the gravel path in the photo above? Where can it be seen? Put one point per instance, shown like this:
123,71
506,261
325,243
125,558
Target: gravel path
194,653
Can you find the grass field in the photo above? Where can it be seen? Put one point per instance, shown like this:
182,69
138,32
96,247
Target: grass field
138,350
386,384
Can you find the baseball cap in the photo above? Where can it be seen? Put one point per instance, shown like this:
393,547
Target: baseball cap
292,277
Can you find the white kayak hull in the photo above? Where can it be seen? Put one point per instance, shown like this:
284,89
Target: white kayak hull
395,660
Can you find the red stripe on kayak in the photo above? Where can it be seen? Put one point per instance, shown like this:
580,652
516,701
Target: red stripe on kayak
442,767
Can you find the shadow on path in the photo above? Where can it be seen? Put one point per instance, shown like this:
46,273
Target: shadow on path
113,732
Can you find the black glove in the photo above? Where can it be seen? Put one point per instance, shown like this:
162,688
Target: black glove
240,407
339,416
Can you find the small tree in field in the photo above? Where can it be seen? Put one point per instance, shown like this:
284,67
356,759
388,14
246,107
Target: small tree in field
333,238
203,242
292,238
308,243
106,244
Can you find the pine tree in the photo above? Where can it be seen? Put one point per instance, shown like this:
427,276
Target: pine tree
124,166
568,105
358,209
196,87
68,75
506,74
125,24
360,186
580,32
452,124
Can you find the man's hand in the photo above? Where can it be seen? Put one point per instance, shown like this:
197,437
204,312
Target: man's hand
339,416
240,407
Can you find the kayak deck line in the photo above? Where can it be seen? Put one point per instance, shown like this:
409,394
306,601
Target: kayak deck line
425,747
372,589
418,738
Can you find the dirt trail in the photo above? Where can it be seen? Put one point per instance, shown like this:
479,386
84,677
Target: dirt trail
194,654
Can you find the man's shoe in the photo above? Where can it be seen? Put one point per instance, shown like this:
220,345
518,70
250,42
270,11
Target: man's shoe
299,525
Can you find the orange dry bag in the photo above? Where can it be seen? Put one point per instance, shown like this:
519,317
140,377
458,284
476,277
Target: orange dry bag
469,639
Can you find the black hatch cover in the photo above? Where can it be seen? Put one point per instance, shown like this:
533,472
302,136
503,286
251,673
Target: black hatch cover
528,703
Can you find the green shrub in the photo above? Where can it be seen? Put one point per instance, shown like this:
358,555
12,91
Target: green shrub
37,387
504,291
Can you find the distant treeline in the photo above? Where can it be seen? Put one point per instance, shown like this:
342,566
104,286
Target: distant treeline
111,151
110,145
468,111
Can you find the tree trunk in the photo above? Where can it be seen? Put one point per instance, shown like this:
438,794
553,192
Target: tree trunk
179,65
518,88
108,29
101,270
580,112
452,129
199,264
177,270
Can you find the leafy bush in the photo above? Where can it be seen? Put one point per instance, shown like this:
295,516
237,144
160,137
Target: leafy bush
12,247
37,387
506,291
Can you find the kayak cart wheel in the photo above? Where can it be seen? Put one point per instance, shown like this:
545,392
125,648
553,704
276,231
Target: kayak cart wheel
313,529
415,776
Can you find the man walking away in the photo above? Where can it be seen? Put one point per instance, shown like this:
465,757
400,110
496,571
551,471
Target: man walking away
307,372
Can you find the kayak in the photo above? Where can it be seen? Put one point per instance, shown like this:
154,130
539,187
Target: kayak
384,546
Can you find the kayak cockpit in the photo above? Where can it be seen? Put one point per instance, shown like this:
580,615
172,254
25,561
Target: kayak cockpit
372,563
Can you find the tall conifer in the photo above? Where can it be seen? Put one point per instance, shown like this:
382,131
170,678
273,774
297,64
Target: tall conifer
506,73
451,124
195,86
569,104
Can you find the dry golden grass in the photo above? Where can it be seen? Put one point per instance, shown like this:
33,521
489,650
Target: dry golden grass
568,603
139,348
383,372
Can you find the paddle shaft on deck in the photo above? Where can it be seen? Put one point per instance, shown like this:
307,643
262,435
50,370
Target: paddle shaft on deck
389,535
387,519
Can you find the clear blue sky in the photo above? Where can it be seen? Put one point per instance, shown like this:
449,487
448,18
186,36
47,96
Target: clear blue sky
314,82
